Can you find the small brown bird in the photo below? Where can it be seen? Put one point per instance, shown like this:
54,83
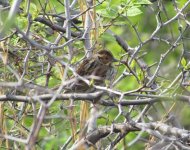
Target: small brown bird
97,69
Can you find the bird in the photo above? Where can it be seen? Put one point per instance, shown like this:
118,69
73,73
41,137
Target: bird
97,69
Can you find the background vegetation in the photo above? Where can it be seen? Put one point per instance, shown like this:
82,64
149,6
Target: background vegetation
43,41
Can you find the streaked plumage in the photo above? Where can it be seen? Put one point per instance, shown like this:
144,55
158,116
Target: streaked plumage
98,68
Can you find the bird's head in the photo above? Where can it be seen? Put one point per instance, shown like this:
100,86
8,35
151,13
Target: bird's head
106,57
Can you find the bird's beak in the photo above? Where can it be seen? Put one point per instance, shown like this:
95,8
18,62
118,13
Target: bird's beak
115,60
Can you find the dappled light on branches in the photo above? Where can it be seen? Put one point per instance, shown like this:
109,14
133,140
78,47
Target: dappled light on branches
78,74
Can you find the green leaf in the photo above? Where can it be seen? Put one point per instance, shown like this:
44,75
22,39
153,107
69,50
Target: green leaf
133,11
21,22
28,121
140,75
15,40
143,2
183,62
33,10
108,13
115,3
33,7
133,64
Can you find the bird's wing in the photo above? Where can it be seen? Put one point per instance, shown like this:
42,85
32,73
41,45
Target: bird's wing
87,67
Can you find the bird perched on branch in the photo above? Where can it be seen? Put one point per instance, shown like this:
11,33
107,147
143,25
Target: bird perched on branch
97,69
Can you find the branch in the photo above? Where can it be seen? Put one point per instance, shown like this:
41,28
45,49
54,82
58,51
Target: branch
46,97
96,95
36,128
164,129
102,132
55,27
152,128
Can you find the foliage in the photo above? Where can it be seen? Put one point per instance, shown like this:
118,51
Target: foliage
43,42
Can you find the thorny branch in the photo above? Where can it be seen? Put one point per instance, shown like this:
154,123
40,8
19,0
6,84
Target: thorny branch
153,86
